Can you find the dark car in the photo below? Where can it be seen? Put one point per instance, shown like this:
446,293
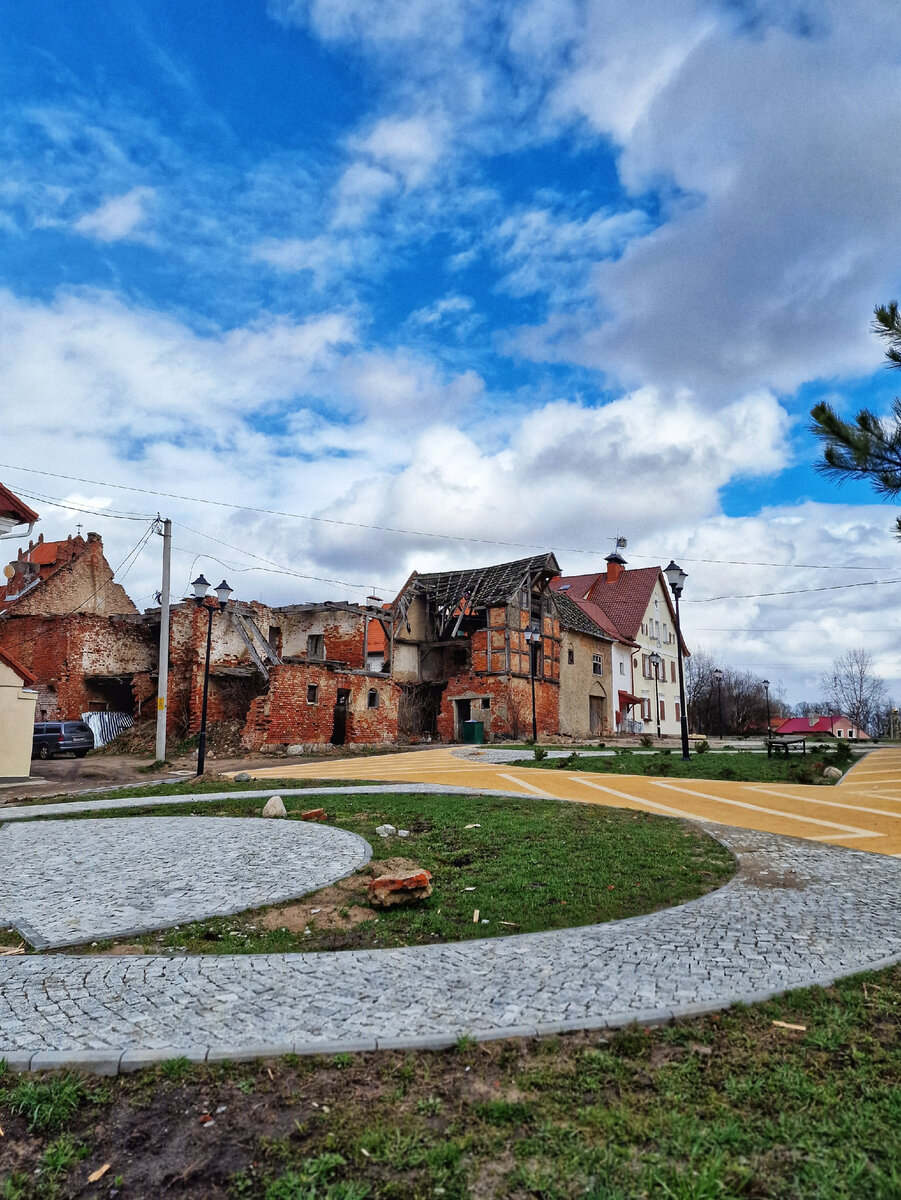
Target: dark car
61,737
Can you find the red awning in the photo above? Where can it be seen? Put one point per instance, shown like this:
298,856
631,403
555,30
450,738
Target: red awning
627,700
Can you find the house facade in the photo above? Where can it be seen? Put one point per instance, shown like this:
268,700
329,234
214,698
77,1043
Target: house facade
645,665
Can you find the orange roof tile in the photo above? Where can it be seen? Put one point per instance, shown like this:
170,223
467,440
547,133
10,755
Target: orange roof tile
16,666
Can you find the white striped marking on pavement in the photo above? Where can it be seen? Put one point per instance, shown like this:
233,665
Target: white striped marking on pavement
879,812
530,786
673,812
773,812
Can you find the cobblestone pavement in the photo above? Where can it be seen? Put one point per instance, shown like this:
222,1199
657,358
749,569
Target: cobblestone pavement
65,882
863,811
796,913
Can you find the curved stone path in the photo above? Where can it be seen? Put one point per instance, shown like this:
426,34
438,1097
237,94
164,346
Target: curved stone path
63,883
796,913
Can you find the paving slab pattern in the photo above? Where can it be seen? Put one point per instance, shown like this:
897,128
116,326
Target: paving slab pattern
66,882
863,811
796,913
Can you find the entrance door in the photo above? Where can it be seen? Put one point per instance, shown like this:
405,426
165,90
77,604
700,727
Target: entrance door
462,712
339,725
596,715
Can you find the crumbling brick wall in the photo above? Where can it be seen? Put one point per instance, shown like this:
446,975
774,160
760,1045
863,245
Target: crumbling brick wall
287,715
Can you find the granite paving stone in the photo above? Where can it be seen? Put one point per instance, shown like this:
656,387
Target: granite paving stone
808,921
67,882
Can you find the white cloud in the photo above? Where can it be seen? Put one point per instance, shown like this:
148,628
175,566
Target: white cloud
119,217
410,146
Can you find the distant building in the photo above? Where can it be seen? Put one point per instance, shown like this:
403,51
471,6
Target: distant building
837,726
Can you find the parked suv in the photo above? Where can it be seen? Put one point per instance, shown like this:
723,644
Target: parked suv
60,737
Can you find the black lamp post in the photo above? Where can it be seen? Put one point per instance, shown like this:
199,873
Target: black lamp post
676,578
201,590
533,637
655,661
766,688
718,676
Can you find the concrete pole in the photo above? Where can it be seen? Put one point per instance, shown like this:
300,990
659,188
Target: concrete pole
163,684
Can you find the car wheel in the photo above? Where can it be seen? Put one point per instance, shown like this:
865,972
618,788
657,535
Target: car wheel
43,751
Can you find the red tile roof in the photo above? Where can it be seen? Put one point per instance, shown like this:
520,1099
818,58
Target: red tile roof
626,599
801,725
595,614
12,506
23,672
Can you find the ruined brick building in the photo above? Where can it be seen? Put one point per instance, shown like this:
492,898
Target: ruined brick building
453,646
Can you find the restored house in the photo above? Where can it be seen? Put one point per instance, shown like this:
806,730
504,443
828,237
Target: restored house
587,671
637,608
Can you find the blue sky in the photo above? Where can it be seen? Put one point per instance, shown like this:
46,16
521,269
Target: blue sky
534,273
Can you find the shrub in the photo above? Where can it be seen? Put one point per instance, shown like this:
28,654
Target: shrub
702,747
540,753
646,740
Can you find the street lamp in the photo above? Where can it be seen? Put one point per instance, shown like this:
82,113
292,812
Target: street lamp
718,676
201,588
655,661
533,637
894,724
766,688
676,578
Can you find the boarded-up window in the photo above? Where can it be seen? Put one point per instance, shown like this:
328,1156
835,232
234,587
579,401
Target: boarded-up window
315,646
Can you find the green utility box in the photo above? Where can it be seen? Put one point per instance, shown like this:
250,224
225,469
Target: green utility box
474,733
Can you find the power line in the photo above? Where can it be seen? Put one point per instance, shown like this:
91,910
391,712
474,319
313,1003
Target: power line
835,587
452,537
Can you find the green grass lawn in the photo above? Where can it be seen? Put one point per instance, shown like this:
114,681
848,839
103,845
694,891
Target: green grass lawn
714,1108
527,865
188,785
740,765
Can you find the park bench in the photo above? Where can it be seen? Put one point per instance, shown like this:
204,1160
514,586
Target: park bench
785,745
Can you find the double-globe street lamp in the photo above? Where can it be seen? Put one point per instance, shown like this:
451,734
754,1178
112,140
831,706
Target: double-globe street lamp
676,578
201,588
766,688
532,636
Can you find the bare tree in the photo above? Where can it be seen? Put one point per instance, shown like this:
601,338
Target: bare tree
700,691
853,689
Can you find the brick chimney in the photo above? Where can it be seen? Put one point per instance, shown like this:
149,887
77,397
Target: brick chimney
616,565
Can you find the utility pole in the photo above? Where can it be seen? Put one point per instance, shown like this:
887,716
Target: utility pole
163,684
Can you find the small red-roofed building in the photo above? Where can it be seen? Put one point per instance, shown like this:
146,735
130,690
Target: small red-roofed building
832,726
14,513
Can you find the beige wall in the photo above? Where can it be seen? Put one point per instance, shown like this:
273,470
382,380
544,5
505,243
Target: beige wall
658,614
16,725
578,682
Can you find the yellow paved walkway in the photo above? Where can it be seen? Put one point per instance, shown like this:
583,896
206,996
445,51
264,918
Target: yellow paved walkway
863,811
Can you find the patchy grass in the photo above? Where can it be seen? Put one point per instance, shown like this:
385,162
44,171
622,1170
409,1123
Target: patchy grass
188,785
526,865
742,765
724,1106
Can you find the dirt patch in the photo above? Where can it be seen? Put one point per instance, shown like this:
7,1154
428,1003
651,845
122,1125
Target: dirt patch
341,906
121,948
393,866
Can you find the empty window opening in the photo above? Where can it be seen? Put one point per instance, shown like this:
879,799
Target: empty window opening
486,702
372,698
570,656
597,665
312,693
